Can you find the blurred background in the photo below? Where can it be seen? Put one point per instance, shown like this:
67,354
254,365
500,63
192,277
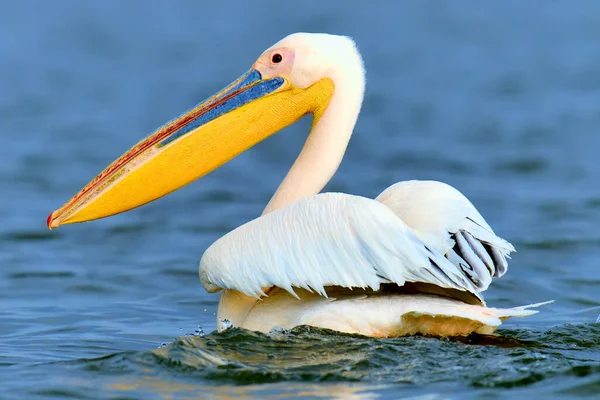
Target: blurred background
499,99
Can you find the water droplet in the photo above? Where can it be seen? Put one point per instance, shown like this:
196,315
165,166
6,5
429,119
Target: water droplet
278,331
224,324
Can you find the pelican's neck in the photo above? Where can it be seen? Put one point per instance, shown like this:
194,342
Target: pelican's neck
326,144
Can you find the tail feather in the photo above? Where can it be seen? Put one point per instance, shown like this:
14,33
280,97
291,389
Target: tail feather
521,311
460,320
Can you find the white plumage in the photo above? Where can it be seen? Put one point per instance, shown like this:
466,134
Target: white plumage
379,314
445,219
414,260
335,239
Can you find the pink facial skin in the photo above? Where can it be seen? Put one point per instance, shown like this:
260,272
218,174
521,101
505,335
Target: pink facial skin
275,63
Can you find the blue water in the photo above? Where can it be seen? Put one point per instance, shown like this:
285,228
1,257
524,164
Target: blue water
499,99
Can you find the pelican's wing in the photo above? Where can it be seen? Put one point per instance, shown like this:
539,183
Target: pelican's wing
330,239
447,221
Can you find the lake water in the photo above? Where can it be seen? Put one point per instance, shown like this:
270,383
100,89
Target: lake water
501,100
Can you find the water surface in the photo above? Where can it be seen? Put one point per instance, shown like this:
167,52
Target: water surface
499,100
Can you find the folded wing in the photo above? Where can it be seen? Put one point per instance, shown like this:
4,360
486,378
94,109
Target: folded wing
334,239
446,220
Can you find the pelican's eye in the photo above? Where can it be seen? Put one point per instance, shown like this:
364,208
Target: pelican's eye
277,58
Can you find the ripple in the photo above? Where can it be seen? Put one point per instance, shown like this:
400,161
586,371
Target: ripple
30,236
127,229
525,166
184,272
41,274
426,162
593,202
587,389
306,354
561,243
90,288
509,86
219,196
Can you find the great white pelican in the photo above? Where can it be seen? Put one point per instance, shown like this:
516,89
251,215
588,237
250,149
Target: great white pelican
413,261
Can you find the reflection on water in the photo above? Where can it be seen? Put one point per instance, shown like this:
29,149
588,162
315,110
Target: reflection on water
170,389
308,362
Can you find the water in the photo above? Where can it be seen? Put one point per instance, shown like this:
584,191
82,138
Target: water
499,100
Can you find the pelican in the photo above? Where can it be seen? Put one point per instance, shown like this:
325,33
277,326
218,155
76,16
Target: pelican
415,260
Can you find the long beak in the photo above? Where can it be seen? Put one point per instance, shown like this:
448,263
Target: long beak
246,112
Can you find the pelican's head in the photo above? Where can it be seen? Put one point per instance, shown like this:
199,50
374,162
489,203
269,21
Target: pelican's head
293,78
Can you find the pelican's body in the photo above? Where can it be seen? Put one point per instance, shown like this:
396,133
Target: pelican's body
376,314
363,243
414,260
